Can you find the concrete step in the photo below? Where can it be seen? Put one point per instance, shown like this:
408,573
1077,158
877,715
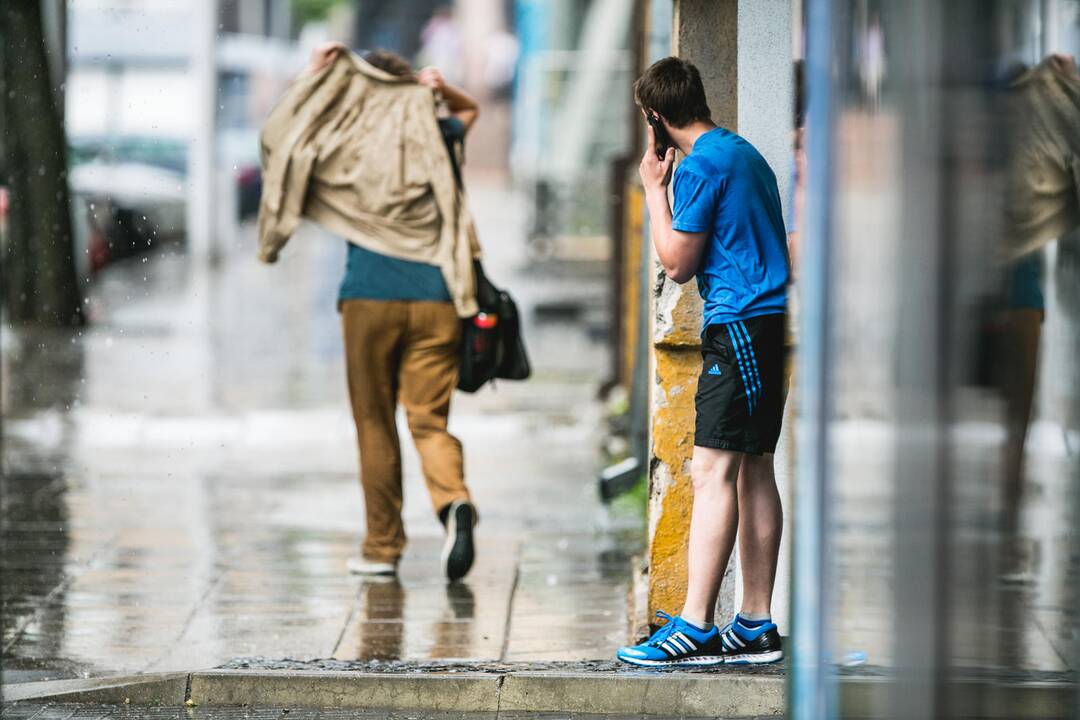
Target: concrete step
728,693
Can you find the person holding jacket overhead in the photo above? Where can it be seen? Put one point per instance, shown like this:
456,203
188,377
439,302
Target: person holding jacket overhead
356,145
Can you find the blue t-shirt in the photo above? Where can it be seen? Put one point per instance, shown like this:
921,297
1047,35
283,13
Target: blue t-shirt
373,276
724,187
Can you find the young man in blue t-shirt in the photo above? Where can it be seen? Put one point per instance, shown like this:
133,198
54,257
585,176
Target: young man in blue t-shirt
726,228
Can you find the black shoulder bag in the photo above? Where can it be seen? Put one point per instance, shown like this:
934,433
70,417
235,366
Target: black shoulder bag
491,342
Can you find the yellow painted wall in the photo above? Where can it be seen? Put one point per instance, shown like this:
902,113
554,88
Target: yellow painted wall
631,301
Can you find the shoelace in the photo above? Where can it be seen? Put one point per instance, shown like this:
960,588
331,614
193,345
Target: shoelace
664,632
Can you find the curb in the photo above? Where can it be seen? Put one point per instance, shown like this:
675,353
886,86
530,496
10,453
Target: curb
600,693
155,689
685,694
668,694
477,692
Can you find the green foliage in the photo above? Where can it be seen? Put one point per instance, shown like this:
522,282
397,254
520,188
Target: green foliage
305,11
635,501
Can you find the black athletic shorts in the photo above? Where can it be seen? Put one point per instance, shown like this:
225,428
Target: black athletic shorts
741,391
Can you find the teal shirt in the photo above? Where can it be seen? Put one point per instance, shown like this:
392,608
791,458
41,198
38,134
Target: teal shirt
373,276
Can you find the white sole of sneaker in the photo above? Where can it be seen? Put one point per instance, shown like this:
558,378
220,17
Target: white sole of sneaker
451,537
755,658
370,569
702,661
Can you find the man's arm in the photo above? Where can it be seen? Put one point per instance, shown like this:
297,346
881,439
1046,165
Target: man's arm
460,104
322,55
679,252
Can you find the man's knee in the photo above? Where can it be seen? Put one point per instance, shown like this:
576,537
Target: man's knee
757,466
424,425
710,466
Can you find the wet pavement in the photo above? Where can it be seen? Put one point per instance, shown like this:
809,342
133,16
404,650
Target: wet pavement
180,481
180,491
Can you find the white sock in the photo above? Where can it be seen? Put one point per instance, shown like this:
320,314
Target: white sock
755,618
699,624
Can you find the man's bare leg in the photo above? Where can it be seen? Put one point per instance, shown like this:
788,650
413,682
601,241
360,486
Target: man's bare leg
762,524
713,524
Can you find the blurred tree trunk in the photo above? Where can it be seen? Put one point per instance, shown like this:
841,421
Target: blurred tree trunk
39,279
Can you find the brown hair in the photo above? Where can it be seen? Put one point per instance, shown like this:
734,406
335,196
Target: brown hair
388,61
672,87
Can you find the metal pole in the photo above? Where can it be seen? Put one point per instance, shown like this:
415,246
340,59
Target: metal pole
1050,26
202,176
201,167
813,695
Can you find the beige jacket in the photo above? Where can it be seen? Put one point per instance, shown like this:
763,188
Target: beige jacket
359,151
1043,191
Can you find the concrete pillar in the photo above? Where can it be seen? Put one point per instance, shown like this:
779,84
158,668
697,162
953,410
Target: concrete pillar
743,51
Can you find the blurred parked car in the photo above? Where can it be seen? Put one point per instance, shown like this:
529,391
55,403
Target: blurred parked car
127,207
238,151
130,191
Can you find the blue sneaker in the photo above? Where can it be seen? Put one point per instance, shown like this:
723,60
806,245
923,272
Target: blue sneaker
749,642
677,643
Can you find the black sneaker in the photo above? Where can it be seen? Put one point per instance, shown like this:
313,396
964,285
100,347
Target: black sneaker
458,550
764,647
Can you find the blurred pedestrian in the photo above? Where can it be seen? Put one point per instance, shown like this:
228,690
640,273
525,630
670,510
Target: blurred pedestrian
1042,207
357,146
440,44
727,229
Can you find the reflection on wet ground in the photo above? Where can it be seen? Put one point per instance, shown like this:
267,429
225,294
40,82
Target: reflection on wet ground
1011,603
1022,619
180,479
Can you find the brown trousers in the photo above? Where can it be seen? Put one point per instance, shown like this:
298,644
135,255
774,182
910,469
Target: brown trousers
408,351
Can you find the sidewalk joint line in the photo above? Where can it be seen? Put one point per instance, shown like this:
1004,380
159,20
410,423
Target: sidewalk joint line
219,574
28,618
1046,638
40,712
510,604
354,609
498,694
60,588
